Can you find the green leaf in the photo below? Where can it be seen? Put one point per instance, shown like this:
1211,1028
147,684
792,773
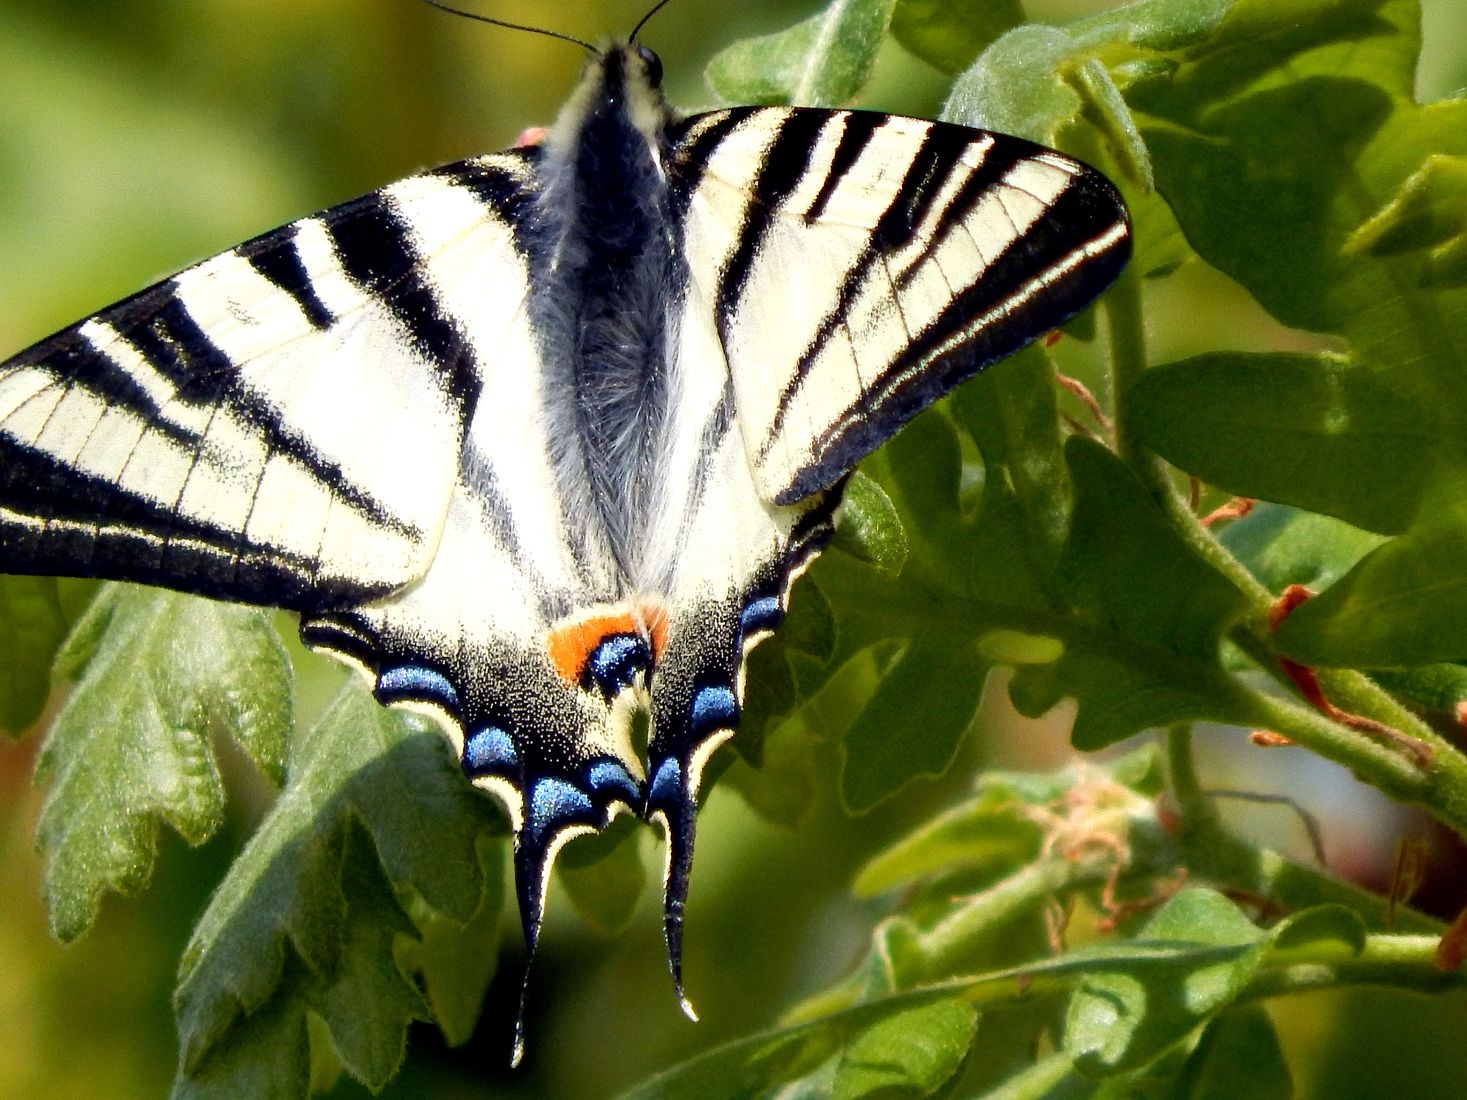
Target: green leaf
1199,915
457,959
1317,929
1404,604
907,1054
269,1055
932,693
1283,546
1122,1019
603,874
1239,1055
870,529
32,626
1312,430
316,888
1424,215
1438,688
158,676
987,830
949,34
751,1066
824,61
1346,225
1153,610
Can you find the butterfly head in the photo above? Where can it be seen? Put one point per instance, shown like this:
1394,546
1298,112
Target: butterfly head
622,78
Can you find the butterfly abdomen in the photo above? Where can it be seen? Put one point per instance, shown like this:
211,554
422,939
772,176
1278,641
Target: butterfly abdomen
611,278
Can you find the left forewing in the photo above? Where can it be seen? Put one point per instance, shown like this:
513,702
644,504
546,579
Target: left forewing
281,423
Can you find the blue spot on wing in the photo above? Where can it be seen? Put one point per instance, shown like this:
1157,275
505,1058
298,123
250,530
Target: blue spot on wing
555,803
714,707
613,665
416,682
667,781
607,776
489,750
760,615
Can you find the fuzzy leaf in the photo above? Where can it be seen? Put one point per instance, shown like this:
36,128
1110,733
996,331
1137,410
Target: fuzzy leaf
457,960
907,1054
824,61
870,529
158,676
316,888
949,35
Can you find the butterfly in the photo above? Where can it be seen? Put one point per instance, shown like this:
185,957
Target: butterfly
540,440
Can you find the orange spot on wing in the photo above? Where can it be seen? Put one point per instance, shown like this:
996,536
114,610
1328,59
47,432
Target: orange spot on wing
570,644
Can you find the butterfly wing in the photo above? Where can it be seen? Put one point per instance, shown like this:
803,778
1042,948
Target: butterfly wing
348,418
846,269
866,264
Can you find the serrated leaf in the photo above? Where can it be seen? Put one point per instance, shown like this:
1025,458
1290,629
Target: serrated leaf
907,1054
304,889
1156,609
158,675
32,626
269,1056
823,61
949,34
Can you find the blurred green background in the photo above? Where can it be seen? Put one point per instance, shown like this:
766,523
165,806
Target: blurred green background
137,138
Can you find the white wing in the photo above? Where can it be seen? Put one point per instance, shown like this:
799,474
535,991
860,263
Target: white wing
280,424
858,266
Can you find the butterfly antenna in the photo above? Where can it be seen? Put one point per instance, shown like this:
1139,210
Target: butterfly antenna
477,18
648,18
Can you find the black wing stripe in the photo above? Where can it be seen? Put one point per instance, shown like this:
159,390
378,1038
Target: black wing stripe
131,543
694,154
934,159
502,193
857,129
376,249
276,258
167,336
1079,233
785,163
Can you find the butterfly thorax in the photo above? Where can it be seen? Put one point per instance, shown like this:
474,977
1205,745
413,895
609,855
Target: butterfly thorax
603,310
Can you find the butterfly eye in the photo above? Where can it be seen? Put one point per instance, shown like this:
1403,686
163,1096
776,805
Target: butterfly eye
653,65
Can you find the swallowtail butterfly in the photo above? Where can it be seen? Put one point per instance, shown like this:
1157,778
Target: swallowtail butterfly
543,437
